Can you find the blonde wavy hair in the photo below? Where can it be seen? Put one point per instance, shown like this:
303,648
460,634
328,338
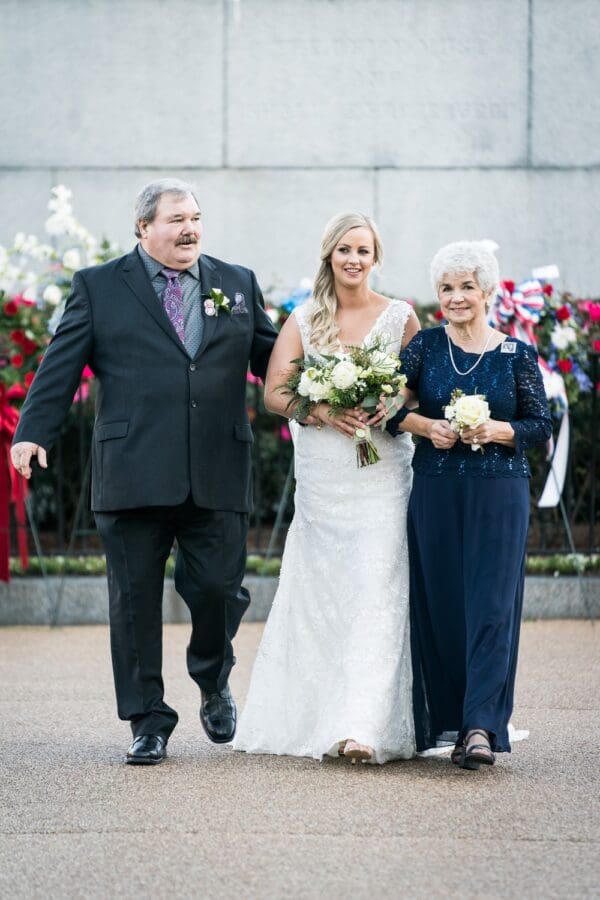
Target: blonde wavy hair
323,328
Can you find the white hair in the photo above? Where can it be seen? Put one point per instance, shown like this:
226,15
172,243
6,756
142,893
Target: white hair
466,257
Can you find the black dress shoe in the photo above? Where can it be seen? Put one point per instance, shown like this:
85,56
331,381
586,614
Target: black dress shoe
218,715
147,750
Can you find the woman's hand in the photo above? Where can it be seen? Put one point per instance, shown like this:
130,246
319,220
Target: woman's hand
311,420
491,432
380,413
441,435
384,410
346,421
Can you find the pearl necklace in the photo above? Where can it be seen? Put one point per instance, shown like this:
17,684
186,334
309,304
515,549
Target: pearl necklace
476,363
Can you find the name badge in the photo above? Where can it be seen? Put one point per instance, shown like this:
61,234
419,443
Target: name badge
508,347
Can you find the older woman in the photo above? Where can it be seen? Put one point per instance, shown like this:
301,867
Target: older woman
468,512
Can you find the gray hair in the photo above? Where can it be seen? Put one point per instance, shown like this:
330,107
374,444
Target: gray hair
147,200
464,257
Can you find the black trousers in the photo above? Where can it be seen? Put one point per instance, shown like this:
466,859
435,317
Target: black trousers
211,559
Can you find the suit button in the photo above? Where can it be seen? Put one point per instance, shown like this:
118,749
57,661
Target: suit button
192,367
194,404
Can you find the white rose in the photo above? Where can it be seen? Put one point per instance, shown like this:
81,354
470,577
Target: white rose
314,390
562,336
52,295
383,363
72,259
319,391
344,375
304,385
471,411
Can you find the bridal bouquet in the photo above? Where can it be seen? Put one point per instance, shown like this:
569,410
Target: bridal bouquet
357,376
467,411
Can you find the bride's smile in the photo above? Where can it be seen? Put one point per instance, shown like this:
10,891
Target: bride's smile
352,259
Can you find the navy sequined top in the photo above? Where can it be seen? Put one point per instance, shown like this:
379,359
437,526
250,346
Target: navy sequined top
511,381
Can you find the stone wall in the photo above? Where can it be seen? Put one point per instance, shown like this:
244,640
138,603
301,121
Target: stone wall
443,118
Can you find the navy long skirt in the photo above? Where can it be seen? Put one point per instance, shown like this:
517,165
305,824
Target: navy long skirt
466,539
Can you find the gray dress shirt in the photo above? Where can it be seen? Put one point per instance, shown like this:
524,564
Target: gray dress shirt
192,297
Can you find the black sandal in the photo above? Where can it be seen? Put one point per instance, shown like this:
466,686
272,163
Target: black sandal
457,753
471,760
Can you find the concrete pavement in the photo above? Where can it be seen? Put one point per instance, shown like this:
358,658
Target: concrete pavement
75,821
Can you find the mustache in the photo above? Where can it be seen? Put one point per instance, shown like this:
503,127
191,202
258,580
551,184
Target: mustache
186,240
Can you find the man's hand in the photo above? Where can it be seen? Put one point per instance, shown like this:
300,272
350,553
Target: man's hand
21,454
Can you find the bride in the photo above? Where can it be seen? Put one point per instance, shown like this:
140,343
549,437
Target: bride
333,673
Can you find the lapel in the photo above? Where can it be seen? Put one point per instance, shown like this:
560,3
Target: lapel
136,279
209,278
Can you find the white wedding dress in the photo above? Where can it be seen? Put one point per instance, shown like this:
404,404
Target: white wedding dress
334,660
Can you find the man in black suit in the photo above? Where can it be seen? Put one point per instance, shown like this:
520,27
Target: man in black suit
169,335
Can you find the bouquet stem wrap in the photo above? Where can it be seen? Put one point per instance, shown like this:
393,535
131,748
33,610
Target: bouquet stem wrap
366,451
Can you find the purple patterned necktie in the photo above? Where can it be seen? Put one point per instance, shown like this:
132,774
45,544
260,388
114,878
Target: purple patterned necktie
172,299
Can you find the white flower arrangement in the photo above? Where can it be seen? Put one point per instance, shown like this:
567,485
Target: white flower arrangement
562,336
358,376
467,411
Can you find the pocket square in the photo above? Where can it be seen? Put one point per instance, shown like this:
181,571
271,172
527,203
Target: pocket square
239,305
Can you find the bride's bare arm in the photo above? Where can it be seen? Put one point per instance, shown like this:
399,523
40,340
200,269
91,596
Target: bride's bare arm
288,346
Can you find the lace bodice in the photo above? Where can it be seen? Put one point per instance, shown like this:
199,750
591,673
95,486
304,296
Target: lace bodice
389,326
513,385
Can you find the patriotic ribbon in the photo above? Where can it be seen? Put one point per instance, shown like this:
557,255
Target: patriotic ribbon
519,308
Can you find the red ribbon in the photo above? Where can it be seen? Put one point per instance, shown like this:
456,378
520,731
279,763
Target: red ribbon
13,487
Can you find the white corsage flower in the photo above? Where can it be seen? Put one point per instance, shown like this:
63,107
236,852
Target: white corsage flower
216,302
471,410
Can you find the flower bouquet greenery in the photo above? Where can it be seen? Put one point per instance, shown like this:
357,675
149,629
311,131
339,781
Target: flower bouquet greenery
354,377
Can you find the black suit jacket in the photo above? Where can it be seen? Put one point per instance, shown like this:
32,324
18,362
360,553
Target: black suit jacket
165,424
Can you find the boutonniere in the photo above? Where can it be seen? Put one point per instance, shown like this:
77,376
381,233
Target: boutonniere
215,302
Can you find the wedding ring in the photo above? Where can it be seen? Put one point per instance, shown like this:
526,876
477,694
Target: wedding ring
319,426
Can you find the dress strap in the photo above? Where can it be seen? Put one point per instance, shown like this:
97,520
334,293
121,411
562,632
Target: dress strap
393,321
